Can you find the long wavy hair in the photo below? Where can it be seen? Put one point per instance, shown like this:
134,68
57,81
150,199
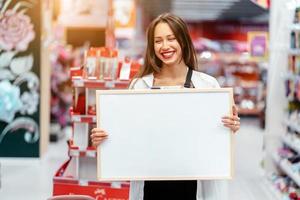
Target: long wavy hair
178,26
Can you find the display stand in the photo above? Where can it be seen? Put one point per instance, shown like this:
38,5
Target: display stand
78,174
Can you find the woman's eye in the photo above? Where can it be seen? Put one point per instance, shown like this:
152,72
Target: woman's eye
172,39
158,41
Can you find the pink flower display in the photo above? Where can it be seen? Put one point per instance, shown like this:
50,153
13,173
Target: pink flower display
16,31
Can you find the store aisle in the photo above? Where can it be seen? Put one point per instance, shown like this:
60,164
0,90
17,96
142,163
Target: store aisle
32,179
249,182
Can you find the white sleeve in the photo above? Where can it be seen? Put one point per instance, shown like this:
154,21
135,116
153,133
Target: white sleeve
136,190
216,83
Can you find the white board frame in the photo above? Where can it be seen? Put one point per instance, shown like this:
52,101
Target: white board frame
106,147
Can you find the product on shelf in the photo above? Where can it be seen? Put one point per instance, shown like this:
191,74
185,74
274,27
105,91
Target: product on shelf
111,65
101,63
91,64
284,186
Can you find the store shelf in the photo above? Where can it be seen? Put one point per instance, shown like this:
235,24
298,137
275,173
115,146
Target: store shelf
292,125
292,143
91,83
245,111
286,167
276,158
83,118
60,177
83,153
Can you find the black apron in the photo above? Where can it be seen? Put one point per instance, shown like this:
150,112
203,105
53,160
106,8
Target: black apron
172,190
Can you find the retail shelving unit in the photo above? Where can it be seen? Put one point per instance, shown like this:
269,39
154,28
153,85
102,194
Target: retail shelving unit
287,168
247,76
78,174
288,156
249,87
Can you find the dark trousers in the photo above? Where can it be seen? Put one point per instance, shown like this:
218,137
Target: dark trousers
170,190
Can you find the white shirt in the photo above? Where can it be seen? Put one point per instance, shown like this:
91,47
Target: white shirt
208,190
199,80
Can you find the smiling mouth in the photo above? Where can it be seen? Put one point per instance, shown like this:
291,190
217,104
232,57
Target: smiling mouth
168,54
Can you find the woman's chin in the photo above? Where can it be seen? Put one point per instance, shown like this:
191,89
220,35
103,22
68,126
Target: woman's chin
169,62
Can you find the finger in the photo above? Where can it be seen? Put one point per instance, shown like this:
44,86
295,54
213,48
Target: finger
231,122
101,136
94,135
95,130
234,110
232,128
99,133
237,124
98,140
98,136
236,118
227,121
229,126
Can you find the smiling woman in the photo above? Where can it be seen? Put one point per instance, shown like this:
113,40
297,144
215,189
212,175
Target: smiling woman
168,35
170,62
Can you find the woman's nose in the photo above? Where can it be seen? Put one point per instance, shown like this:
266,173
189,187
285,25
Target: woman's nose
165,44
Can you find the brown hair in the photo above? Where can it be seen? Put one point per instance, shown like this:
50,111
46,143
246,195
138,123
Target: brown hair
180,30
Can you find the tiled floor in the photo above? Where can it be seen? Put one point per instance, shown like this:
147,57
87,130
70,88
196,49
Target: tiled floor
32,178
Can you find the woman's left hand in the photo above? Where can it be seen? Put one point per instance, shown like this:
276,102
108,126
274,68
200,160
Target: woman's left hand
232,122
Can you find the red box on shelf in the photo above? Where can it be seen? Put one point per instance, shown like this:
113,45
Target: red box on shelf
98,190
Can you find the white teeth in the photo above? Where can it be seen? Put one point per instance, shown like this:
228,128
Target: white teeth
168,54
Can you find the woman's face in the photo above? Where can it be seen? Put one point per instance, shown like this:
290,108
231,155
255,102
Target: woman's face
166,46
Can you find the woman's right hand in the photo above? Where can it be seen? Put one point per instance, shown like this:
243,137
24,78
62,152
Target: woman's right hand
98,136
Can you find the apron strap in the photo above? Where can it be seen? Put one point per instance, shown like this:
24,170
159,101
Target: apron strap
188,79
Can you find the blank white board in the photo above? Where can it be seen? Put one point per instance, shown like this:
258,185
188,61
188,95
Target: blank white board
164,134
